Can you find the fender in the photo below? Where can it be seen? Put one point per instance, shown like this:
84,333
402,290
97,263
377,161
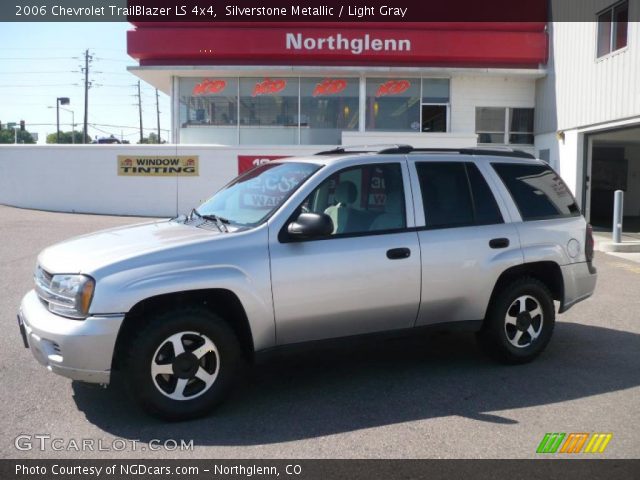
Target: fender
202,266
545,252
258,309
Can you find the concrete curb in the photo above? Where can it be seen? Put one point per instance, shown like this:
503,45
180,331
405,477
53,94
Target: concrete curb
619,247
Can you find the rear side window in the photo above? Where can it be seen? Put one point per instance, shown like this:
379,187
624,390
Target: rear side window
455,194
538,191
485,207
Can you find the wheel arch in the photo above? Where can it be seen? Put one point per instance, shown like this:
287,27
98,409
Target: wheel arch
220,301
547,272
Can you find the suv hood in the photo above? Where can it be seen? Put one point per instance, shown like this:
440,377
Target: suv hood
88,253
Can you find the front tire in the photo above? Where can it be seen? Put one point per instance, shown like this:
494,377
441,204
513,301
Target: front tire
182,363
519,322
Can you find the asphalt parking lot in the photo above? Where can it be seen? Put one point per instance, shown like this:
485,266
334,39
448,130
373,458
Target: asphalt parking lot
432,397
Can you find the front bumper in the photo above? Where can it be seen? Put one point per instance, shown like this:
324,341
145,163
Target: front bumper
77,349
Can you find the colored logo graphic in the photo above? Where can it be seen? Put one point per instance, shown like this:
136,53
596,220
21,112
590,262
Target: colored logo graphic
209,86
393,87
329,87
574,443
269,87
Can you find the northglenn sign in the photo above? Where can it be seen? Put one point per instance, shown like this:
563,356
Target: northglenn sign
357,45
495,45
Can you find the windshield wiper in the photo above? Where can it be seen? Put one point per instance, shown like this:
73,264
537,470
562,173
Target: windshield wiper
220,222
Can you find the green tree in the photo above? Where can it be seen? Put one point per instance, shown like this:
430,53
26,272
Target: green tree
8,136
152,138
66,137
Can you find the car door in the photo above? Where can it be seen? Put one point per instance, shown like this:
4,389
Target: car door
365,277
466,240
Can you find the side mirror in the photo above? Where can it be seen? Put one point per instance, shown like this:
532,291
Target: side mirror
311,225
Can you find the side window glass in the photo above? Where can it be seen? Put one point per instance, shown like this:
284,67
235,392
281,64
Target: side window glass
537,190
445,194
485,207
368,198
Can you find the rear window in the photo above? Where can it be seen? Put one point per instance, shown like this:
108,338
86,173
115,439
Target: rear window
538,191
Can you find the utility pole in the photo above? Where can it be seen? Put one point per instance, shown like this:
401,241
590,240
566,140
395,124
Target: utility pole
140,112
158,114
87,59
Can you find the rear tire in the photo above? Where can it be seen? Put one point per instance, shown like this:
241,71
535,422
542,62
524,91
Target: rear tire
519,322
182,363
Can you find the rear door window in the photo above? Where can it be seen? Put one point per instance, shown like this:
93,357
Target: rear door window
538,191
455,194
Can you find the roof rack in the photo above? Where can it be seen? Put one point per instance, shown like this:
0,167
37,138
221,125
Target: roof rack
494,152
406,149
378,148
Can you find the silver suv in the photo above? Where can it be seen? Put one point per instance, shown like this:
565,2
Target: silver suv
339,244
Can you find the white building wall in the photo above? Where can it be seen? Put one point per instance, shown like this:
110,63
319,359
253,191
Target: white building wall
580,89
471,91
581,93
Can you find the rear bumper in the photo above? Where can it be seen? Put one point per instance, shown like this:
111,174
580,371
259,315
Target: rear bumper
579,283
77,349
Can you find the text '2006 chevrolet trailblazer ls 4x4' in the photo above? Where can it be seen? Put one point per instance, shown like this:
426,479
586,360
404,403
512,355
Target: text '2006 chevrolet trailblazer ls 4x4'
334,245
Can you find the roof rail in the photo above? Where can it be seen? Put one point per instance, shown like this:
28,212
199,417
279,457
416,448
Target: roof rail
400,149
379,148
494,152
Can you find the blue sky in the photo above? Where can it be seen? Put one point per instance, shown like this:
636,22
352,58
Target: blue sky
41,61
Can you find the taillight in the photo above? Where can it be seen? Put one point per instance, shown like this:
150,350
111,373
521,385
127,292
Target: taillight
588,243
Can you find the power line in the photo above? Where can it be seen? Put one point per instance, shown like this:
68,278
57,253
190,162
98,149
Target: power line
127,127
116,60
38,58
33,72
40,85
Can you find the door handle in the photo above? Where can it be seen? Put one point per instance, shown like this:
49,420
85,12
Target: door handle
398,253
499,243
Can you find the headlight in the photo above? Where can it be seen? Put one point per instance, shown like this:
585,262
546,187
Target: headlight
67,295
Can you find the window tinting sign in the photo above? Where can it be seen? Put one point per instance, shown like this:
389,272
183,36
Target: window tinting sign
184,166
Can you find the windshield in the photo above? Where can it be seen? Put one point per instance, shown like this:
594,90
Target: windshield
254,196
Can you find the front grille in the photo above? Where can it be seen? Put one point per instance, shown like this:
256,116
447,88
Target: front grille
43,281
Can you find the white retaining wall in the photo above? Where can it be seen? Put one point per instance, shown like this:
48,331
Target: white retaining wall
84,178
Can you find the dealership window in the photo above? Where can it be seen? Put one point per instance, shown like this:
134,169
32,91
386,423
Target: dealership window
210,101
327,107
504,125
269,110
435,104
521,126
612,28
393,104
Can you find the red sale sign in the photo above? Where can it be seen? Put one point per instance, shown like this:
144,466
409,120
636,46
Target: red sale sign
247,162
